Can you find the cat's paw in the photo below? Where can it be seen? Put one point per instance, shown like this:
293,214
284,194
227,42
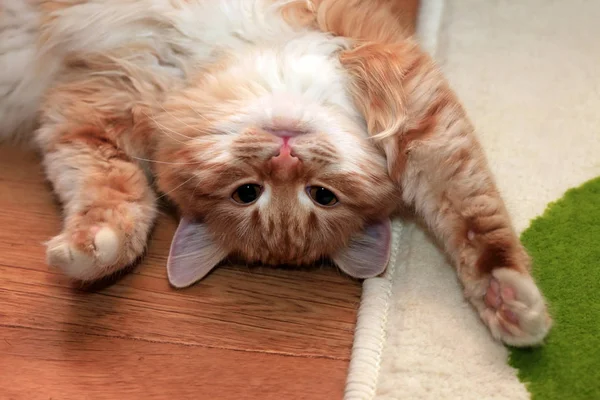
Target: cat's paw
514,309
85,254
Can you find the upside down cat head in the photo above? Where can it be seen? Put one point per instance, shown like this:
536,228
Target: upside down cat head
267,160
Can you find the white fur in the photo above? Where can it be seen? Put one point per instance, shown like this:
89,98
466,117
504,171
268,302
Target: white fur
76,264
22,79
106,242
297,71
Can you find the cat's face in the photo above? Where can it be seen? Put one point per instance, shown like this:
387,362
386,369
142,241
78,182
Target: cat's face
270,179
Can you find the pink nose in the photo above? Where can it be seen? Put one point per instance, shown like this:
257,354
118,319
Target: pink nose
285,164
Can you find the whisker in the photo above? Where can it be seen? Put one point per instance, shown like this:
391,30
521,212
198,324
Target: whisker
175,188
185,123
165,130
203,117
166,162
195,187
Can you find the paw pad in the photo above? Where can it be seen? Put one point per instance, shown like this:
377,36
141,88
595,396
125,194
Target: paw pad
515,309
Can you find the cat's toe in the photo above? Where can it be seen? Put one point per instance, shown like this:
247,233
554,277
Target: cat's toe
515,310
85,254
106,246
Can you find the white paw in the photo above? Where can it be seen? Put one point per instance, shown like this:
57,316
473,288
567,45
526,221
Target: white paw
515,310
86,255
107,246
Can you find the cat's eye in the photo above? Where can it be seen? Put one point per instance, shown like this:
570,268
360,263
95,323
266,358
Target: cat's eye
247,193
322,196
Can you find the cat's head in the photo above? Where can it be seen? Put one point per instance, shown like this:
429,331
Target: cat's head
270,178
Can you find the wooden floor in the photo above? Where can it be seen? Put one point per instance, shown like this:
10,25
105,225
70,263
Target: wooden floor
239,334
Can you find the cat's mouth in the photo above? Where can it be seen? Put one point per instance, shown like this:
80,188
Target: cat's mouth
285,133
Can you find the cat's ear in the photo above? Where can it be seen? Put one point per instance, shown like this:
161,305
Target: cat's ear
193,254
399,91
368,252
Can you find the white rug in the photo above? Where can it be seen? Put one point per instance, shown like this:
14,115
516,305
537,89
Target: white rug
528,73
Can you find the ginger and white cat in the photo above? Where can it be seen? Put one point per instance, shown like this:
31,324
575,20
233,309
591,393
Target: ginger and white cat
283,130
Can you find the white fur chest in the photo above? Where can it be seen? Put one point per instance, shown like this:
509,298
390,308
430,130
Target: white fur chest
295,73
194,27
294,69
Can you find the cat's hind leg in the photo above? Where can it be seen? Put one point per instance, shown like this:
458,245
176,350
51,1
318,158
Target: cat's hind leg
109,206
92,133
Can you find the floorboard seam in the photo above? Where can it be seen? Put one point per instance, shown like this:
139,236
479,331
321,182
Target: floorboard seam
279,353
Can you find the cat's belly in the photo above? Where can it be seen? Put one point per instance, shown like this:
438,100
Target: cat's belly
23,79
36,36
195,28
170,38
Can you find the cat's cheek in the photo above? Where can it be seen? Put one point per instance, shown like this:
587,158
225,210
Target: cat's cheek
175,185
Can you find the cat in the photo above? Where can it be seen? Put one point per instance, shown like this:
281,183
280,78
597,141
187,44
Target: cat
284,131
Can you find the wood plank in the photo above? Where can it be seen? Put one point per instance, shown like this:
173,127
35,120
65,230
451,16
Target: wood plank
309,313
58,365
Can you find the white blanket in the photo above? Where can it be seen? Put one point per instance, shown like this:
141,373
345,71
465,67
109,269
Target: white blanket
528,74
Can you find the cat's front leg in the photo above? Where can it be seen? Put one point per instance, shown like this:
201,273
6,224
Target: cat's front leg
447,181
441,170
109,207
444,176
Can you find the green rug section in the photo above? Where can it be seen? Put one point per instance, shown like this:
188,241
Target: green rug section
565,246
